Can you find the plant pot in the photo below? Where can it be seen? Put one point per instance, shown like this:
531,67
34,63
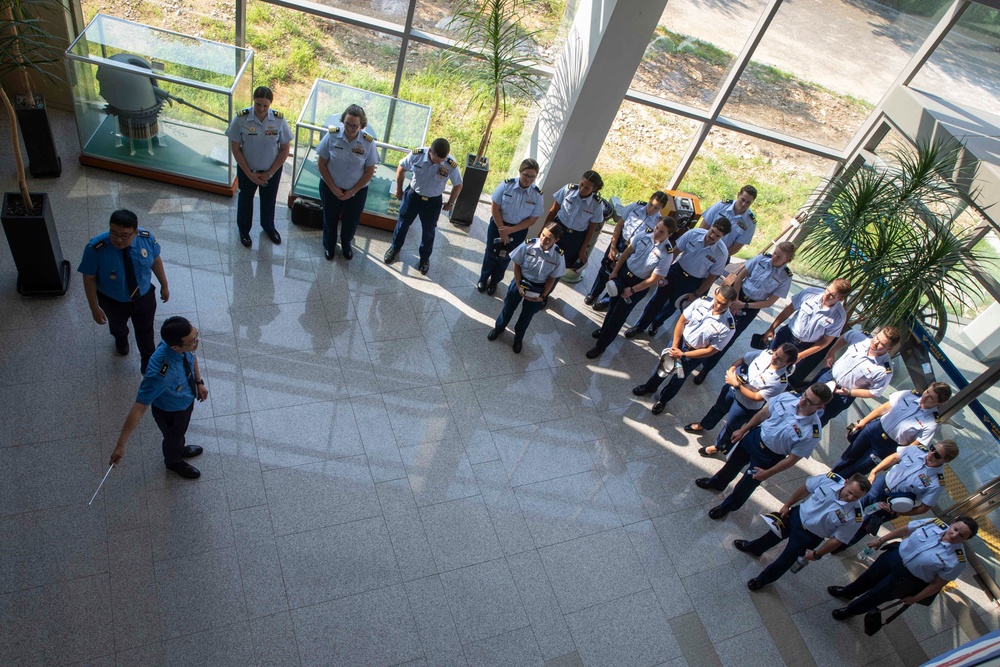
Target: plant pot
473,181
43,161
34,244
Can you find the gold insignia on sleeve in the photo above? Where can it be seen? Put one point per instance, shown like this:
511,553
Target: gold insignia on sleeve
961,555
937,418
788,270
888,367
369,138
858,515
573,186
278,114
243,112
418,151
333,129
939,523
559,249
834,476
451,162
815,431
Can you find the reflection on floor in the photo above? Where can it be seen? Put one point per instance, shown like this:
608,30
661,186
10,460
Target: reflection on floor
381,485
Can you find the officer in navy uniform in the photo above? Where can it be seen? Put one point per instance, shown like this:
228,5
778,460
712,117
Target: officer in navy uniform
116,268
925,561
432,168
645,262
738,213
830,512
347,163
636,218
170,385
784,431
908,417
703,259
912,472
863,370
702,330
517,204
261,140
750,383
578,207
761,281
818,318
538,264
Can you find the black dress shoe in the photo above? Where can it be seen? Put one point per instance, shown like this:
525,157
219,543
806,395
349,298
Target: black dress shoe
121,346
494,334
328,254
246,240
594,352
641,390
184,469
652,330
717,513
481,286
744,546
348,251
596,333
838,592
516,347
658,407
689,429
703,451
390,255
632,332
191,451
602,305
706,483
841,614
754,585
589,300
698,376
491,289
423,267
274,236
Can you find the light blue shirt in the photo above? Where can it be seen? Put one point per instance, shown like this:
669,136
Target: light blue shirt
429,179
635,220
575,212
168,385
347,160
855,369
260,141
912,475
744,224
107,263
649,257
786,432
517,203
537,264
926,556
906,421
812,320
764,279
762,378
698,259
823,513
704,328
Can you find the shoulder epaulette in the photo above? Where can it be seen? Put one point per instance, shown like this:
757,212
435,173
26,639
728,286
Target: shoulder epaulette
532,240
333,129
941,478
244,112
914,392
783,379
451,162
939,523
597,196
642,203
100,245
144,233
560,250
961,555
888,367
921,447
732,321
766,254
573,186
727,201
369,138
859,516
649,230
752,216
835,477
815,431
418,151
705,298
164,368
278,114
538,188
510,180
788,270
937,417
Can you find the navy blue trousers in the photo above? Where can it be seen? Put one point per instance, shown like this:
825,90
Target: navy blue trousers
799,540
244,203
528,310
428,209
736,416
619,310
661,306
345,214
493,267
868,449
750,450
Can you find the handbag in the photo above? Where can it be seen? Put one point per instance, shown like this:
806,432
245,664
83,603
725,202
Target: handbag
873,619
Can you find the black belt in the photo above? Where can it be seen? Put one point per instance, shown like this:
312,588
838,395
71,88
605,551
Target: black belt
423,198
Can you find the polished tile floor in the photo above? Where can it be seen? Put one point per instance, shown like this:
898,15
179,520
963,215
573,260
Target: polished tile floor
381,485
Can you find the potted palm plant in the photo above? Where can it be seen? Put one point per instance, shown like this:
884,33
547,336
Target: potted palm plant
890,229
25,47
493,32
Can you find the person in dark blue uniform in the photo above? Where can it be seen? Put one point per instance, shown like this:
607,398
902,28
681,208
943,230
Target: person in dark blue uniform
517,203
432,169
261,140
170,385
116,268
538,264
347,160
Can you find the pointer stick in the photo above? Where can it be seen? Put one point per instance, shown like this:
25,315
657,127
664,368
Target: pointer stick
101,484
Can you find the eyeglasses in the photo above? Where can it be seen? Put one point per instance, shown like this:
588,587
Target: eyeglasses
352,126
935,453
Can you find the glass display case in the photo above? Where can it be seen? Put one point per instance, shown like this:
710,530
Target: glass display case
397,125
156,103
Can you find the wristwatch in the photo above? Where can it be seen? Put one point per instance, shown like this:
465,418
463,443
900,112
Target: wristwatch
200,383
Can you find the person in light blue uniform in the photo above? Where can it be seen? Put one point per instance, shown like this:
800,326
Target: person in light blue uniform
170,385
538,264
928,558
829,514
908,417
645,262
761,281
864,369
260,140
703,329
432,168
703,256
347,160
578,207
750,383
116,267
737,212
517,204
782,433
636,218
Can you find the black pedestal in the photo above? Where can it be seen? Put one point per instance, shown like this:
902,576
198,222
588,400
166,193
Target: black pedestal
473,182
34,244
43,161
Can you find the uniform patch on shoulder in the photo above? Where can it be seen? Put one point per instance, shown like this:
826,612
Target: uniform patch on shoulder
858,515
451,162
753,217
815,431
727,201
278,114
418,151
939,523
961,555
164,368
705,298
922,448
244,112
937,418
100,245
887,366
369,138
788,270
532,240
783,379
509,180
642,203
333,129
941,478
144,233
914,392
559,250
539,189
573,186
732,322
834,476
